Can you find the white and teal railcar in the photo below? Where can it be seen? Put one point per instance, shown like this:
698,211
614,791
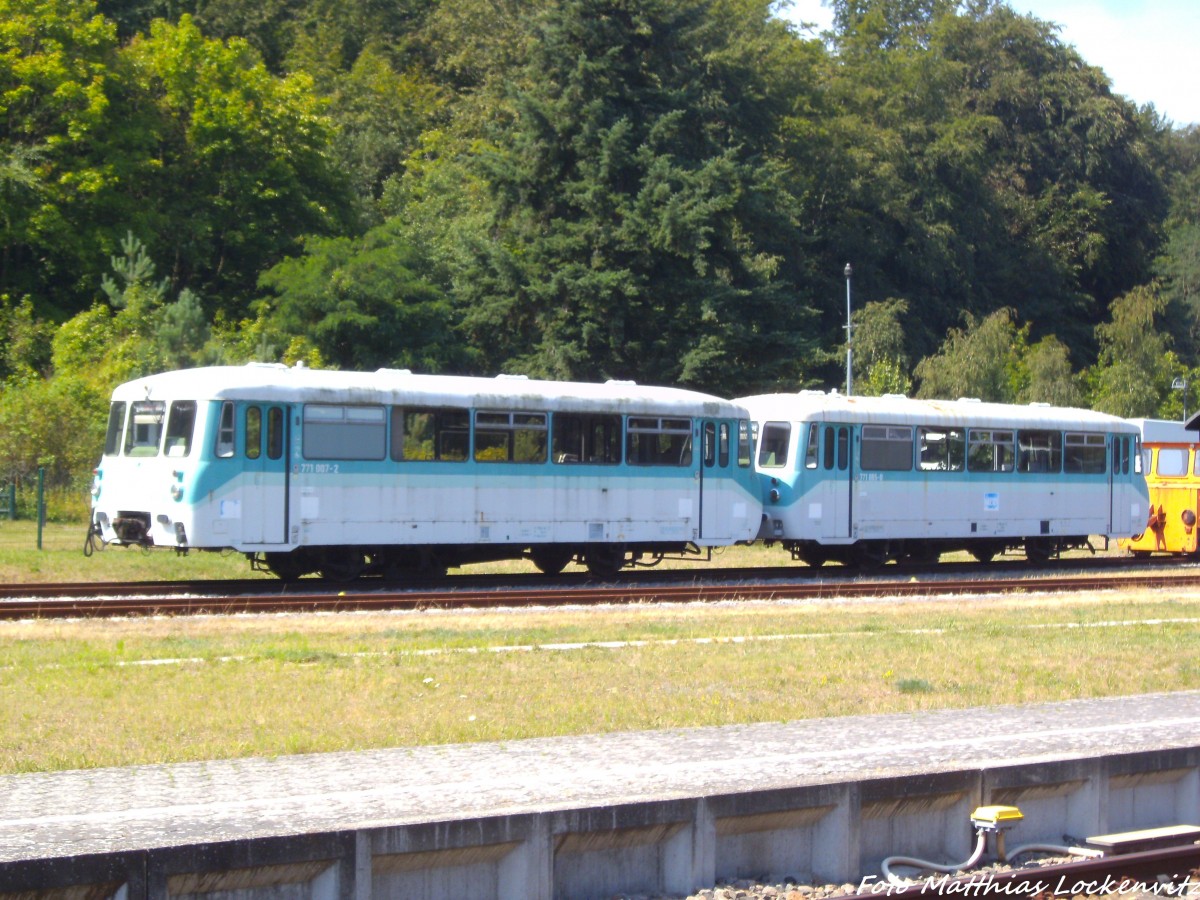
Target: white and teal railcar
868,479
346,473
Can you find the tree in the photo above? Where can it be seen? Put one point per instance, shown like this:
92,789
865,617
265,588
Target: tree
1074,179
1132,377
879,348
634,208
981,164
1180,269
240,168
381,114
979,361
56,59
24,341
138,333
1047,376
360,304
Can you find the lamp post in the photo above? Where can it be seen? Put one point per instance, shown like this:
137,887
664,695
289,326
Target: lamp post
849,331
1181,384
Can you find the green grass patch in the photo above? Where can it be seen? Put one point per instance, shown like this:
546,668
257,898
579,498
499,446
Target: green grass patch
115,692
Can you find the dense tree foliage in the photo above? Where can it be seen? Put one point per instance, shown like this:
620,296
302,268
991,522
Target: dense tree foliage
635,212
663,190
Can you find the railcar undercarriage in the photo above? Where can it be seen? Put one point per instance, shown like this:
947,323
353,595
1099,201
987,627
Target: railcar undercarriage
397,563
872,553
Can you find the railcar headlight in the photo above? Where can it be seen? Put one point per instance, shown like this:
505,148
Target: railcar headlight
774,495
176,492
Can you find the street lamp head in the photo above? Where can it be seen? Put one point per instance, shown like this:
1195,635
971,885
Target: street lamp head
1179,384
848,271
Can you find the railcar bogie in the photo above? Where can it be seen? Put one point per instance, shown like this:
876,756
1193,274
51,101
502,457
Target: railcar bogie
392,474
865,481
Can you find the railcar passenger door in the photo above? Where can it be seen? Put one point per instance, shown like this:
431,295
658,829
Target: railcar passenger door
714,468
265,505
837,479
1120,518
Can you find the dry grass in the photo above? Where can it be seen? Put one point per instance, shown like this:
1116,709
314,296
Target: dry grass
82,694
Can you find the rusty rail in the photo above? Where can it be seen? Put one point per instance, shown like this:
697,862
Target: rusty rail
172,598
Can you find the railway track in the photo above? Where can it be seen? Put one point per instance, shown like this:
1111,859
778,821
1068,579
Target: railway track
261,596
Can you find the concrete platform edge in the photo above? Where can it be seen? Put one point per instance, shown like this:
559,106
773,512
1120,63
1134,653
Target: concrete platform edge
829,832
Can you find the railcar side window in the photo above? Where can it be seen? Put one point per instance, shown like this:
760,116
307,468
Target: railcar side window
274,432
773,445
181,424
710,445
145,427
942,449
253,432
887,448
1120,455
116,421
723,446
430,434
652,441
583,438
989,450
1172,462
344,432
813,450
1085,454
1040,451
226,431
510,437
745,447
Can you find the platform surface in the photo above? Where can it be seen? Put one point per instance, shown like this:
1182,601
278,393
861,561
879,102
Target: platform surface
106,810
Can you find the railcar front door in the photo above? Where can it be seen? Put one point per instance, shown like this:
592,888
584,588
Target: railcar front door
265,506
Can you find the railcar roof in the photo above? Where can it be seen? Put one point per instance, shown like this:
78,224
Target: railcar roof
1165,431
822,407
283,384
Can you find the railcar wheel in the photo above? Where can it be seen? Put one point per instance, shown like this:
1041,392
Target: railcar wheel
605,560
551,559
870,554
983,553
288,566
1038,551
810,553
407,563
922,554
342,564
813,556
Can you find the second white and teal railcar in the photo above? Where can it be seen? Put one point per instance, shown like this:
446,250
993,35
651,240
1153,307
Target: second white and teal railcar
869,479
348,473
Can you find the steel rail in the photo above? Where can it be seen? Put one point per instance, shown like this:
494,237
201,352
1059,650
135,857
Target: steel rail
167,599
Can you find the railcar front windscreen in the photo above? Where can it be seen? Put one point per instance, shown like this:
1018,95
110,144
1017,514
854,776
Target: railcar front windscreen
144,430
181,424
